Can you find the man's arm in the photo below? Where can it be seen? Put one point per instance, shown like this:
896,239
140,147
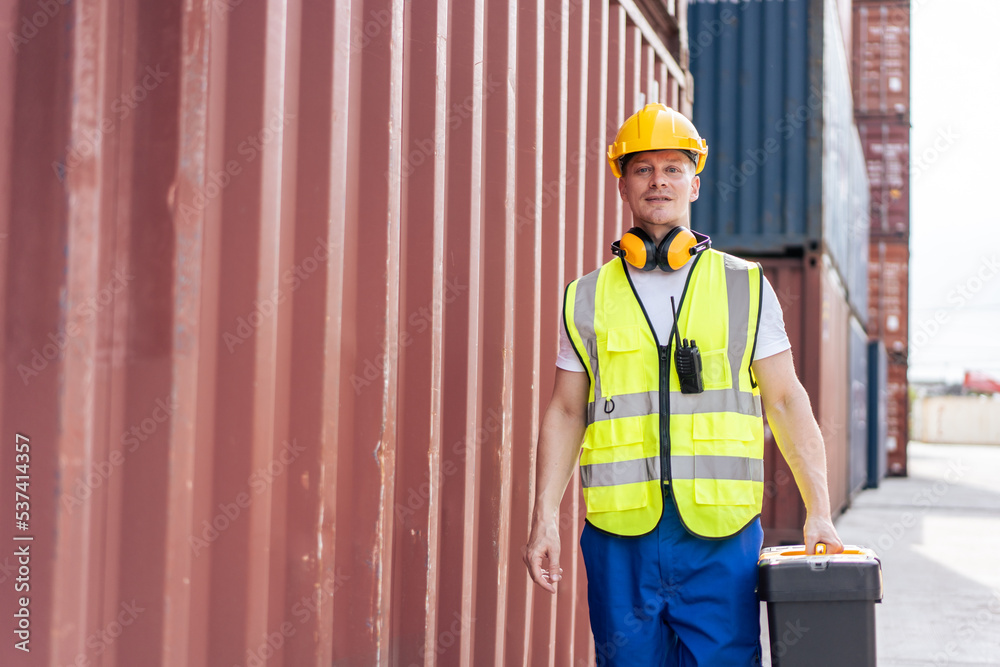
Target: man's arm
801,442
559,443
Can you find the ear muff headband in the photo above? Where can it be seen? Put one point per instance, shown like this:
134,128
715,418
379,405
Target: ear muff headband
673,252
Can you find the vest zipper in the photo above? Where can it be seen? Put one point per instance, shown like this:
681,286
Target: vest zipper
665,413
664,354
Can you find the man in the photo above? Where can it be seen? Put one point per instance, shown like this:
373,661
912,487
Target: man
670,439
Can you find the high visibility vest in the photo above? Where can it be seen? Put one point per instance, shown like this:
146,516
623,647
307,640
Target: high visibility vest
642,432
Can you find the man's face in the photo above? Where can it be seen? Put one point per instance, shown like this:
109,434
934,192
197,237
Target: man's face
659,186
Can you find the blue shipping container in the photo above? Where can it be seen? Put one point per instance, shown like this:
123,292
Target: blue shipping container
878,412
786,171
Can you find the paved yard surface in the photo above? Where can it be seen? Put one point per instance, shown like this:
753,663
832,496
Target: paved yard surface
937,533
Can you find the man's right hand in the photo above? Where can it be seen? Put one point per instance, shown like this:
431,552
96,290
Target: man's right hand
559,442
543,544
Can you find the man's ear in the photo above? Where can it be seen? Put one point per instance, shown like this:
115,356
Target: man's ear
695,188
621,187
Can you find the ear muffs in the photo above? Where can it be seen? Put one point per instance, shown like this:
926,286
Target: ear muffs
673,252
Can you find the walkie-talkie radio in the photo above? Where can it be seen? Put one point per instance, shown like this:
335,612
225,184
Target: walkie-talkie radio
687,359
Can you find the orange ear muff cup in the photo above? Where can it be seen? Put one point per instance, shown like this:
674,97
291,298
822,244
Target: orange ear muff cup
639,249
675,250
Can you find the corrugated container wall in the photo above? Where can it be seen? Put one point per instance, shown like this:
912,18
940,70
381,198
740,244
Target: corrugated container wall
281,290
786,173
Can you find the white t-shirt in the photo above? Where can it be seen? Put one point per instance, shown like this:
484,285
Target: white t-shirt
655,289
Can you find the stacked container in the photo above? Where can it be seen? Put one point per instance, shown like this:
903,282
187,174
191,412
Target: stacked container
786,185
882,112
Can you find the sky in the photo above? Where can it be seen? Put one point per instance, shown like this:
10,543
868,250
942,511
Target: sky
954,183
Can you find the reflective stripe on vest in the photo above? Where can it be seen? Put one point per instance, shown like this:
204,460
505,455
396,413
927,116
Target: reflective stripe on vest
715,441
681,467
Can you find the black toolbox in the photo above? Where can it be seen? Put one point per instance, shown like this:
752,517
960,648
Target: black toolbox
820,608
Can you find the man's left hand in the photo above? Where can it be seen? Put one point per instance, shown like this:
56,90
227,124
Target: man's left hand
820,529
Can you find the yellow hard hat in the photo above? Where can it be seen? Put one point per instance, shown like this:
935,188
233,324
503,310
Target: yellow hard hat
656,127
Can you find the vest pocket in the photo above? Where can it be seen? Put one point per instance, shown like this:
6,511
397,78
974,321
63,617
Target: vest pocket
617,498
621,365
623,339
621,432
715,369
722,461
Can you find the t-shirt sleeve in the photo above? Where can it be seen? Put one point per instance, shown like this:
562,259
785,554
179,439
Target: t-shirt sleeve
567,359
771,336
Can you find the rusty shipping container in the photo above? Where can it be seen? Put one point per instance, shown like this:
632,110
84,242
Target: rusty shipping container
281,284
817,320
881,59
887,154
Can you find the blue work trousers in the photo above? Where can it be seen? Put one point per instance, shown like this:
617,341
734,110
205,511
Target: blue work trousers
670,598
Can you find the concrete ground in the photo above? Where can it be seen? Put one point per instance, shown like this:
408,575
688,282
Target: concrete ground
937,534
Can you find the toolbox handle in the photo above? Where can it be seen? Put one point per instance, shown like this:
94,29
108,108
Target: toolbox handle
801,552
819,549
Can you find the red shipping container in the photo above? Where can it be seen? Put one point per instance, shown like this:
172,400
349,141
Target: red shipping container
887,154
881,59
888,296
